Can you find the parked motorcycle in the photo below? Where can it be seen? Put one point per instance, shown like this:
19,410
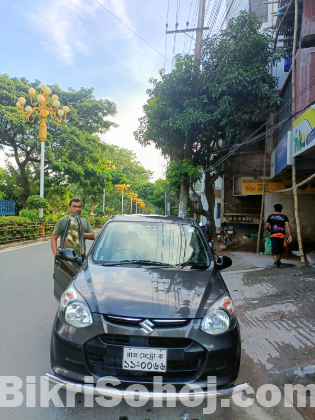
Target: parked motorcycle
223,231
206,232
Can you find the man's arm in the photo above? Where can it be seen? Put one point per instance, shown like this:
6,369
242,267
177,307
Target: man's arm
53,243
288,232
89,236
267,225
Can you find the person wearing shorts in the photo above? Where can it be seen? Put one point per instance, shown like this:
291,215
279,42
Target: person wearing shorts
279,226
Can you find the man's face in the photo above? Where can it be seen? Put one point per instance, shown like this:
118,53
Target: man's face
76,207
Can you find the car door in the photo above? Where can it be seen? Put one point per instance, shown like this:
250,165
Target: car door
65,271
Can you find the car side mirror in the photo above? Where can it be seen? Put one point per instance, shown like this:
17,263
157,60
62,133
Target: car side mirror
68,254
223,263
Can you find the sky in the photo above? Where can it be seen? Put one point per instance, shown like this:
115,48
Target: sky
77,43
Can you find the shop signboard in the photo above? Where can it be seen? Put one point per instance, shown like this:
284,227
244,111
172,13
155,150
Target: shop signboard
281,157
255,186
304,132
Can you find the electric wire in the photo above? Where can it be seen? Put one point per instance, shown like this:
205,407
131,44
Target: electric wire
176,25
131,30
274,115
194,21
251,139
187,26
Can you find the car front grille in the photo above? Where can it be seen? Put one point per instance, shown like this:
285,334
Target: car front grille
158,342
185,358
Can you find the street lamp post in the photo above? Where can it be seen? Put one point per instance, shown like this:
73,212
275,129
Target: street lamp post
42,108
133,197
138,201
108,167
122,187
104,196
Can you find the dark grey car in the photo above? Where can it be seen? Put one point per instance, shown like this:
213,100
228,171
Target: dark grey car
148,300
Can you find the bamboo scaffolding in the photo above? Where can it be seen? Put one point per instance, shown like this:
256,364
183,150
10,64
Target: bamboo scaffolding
296,201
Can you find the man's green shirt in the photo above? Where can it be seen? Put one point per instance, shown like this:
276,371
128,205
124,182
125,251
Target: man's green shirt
61,225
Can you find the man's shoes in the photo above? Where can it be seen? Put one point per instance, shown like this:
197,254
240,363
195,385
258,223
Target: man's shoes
278,263
275,265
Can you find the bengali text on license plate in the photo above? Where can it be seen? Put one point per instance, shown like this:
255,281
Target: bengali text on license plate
148,360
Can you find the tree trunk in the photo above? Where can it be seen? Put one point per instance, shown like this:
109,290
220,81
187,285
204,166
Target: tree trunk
209,191
183,199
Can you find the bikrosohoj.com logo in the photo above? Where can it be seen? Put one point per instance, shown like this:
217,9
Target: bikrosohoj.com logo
32,392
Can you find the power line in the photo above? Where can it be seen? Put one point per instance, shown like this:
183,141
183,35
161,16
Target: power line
131,30
194,21
187,25
176,26
252,139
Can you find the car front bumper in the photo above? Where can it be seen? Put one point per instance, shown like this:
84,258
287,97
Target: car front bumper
150,395
72,349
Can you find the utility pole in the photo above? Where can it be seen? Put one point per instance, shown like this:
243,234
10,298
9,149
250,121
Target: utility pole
184,190
295,196
199,30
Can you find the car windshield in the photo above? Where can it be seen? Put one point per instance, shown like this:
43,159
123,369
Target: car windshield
170,244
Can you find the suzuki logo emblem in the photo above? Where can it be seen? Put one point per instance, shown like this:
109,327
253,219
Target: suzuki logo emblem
146,327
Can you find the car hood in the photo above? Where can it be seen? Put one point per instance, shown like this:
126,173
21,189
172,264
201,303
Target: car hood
149,293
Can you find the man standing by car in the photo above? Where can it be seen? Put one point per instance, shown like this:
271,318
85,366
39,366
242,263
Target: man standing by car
75,206
279,226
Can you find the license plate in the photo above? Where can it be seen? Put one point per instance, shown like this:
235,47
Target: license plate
144,359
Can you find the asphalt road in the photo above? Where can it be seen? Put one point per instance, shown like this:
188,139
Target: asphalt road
27,309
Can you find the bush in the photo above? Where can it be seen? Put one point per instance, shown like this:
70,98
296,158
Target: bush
17,228
32,215
37,202
100,221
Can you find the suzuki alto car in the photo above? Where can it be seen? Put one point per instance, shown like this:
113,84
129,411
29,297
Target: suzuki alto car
148,300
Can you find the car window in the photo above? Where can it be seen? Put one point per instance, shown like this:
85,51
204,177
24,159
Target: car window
159,242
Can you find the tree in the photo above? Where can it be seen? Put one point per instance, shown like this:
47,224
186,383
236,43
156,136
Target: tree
73,150
198,104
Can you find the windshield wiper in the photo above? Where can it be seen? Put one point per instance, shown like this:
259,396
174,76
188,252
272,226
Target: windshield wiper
192,263
140,262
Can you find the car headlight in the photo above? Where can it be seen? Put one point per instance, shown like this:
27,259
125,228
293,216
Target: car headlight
74,310
218,318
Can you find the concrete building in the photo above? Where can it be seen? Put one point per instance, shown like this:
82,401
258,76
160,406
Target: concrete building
296,138
242,182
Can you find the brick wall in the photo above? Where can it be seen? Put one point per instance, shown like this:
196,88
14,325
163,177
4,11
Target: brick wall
308,24
305,73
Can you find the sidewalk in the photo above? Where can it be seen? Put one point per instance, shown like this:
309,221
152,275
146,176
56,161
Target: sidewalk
275,308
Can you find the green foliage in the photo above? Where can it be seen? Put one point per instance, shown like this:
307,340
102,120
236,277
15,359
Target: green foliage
30,215
13,220
73,150
197,104
236,73
183,170
37,202
16,228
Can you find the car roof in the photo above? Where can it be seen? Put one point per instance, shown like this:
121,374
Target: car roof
156,218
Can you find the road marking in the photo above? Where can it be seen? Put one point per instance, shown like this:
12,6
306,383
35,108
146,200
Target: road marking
23,246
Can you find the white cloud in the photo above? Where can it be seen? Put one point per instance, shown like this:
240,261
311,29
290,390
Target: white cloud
60,26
